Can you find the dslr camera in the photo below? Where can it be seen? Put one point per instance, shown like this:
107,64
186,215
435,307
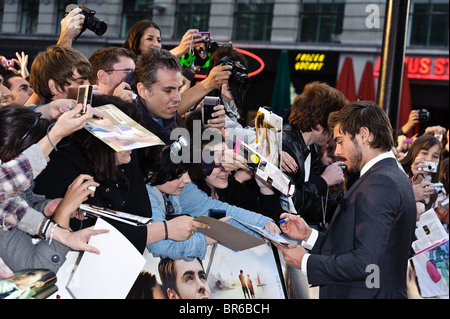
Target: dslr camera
239,75
91,22
430,167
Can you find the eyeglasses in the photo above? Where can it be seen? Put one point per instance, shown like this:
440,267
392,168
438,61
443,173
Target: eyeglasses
176,146
127,71
36,120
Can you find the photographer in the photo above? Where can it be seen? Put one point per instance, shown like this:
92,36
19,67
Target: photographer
421,163
232,91
71,25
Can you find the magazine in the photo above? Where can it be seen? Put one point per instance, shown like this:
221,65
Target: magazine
276,238
29,284
431,267
119,131
429,231
126,218
265,169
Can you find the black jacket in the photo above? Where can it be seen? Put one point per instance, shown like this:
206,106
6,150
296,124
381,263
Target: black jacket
308,195
130,195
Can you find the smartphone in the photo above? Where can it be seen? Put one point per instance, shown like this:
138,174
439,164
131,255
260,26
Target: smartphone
84,96
217,213
208,107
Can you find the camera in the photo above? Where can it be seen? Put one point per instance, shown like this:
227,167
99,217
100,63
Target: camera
438,187
430,167
424,116
239,75
8,63
206,36
91,22
210,45
84,96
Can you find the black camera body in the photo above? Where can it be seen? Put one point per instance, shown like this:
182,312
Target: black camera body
239,75
92,23
424,116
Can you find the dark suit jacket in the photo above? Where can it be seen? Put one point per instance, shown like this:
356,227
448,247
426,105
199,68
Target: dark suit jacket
374,225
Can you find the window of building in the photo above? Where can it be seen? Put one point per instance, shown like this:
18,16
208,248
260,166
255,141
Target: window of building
135,11
253,20
61,12
321,21
2,6
191,14
29,19
428,23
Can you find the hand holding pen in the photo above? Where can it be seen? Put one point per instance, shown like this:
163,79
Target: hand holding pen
294,226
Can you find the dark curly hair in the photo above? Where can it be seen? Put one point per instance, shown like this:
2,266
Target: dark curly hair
314,105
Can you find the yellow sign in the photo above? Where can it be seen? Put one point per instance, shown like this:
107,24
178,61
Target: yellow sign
309,61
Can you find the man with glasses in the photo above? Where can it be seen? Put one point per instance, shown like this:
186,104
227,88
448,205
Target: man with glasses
110,67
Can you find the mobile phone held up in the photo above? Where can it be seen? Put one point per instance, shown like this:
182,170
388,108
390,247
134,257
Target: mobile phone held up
208,107
84,96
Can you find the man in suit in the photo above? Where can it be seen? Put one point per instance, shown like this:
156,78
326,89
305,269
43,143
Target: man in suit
365,251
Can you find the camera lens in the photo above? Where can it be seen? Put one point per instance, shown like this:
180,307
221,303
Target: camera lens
96,26
241,79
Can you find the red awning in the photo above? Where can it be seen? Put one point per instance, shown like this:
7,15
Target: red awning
366,91
346,80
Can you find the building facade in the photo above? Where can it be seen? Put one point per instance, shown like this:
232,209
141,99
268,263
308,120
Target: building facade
318,35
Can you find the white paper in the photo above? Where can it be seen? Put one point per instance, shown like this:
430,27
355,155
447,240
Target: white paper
112,273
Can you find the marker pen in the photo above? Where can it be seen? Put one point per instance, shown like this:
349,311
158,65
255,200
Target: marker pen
283,220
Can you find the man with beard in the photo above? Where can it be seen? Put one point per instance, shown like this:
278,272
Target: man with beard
364,253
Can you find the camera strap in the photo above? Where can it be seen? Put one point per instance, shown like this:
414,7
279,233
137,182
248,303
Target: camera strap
79,34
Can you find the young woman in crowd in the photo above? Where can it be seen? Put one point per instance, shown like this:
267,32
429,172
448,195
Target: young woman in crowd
219,183
423,155
146,33
172,194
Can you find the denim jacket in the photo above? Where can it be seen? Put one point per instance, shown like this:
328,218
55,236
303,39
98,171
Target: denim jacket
194,202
